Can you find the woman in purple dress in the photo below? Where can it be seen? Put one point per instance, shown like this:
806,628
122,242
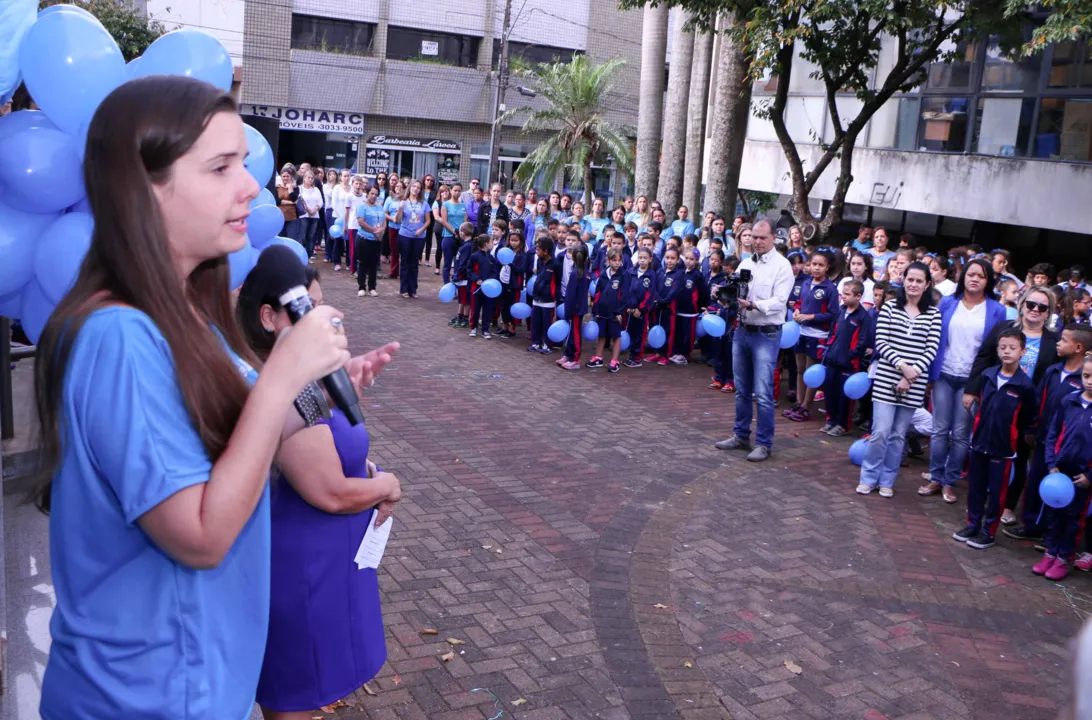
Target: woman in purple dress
325,623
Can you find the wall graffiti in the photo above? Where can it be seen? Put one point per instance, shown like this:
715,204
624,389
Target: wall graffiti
886,195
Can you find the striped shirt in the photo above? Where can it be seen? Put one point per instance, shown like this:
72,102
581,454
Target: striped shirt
899,339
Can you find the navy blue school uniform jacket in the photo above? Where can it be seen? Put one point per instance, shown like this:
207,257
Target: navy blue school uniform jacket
610,294
849,339
640,290
694,295
576,294
547,281
668,286
819,299
1052,389
462,260
518,270
1004,413
482,266
797,285
1069,441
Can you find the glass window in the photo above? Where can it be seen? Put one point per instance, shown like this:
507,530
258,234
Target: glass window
432,47
480,170
758,127
1065,130
1003,126
1010,71
909,111
955,74
1071,65
531,54
804,118
943,125
333,36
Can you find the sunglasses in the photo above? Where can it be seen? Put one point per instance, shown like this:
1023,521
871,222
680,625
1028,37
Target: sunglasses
1041,307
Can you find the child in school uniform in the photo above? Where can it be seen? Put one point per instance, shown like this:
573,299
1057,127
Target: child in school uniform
844,353
647,241
712,269
608,307
630,246
815,310
481,267
576,307
512,278
1069,451
668,285
458,269
544,294
1059,380
787,357
692,297
1006,410
640,284
721,348
498,232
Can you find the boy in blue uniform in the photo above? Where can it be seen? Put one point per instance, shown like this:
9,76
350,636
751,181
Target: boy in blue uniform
576,306
1069,451
843,353
1059,380
544,294
458,268
640,284
815,311
481,267
607,308
668,285
1006,410
693,296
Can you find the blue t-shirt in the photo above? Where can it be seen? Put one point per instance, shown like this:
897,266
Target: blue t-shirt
371,214
456,216
879,261
1031,355
596,226
390,205
414,216
136,633
679,229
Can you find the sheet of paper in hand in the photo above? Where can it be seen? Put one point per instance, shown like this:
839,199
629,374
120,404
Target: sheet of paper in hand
373,545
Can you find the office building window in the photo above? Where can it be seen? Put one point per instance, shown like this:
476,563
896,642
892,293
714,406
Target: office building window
957,74
532,54
333,36
1010,71
1065,130
1003,126
943,124
1071,65
432,47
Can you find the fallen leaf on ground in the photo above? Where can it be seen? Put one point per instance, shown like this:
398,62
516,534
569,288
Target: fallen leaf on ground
396,680
1051,612
332,707
455,641
660,606
487,547
499,551
687,664
429,631
521,701
793,667
368,690
448,656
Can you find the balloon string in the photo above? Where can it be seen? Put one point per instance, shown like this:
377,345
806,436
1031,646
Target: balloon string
496,701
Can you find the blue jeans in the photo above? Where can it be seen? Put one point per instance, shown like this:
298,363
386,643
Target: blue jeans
448,247
754,356
884,454
951,430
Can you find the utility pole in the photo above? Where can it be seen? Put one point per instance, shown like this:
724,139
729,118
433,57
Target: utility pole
498,100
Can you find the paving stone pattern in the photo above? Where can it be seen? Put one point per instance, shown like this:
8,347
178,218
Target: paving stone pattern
601,559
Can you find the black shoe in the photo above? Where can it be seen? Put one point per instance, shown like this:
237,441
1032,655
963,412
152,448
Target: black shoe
791,397
1023,533
453,321
965,534
913,447
981,541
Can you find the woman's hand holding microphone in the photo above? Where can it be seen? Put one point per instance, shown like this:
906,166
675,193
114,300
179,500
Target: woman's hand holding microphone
311,349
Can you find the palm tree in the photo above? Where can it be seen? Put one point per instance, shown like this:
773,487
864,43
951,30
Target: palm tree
575,119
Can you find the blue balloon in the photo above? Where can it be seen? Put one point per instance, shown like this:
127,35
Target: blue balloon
714,325
17,122
1057,490
83,205
625,340
857,385
133,67
67,8
561,310
700,330
448,292
11,306
815,375
491,288
70,63
857,451
336,231
657,336
558,331
506,255
292,245
521,311
18,233
60,252
790,334
259,158
240,263
264,198
190,52
590,331
36,310
531,285
264,224
40,170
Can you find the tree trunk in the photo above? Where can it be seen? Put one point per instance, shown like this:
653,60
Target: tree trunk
672,159
695,120
650,104
733,107
589,187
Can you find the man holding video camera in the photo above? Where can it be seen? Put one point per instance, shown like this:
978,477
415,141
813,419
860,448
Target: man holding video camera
757,340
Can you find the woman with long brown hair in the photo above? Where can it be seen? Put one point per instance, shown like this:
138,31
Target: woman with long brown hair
157,430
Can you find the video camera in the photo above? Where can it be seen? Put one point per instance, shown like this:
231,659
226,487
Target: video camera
737,287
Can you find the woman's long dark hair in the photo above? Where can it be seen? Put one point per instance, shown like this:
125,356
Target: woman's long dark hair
986,268
926,300
136,135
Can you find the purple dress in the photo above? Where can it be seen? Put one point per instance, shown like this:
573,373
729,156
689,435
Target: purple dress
325,624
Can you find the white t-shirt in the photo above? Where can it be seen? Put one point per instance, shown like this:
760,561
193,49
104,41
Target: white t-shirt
354,202
328,194
965,332
868,296
341,203
312,197
946,287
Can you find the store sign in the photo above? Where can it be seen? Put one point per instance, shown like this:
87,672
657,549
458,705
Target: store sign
376,160
414,143
448,171
430,47
310,120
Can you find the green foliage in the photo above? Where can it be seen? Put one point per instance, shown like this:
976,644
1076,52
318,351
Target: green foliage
1069,20
131,29
575,94
757,203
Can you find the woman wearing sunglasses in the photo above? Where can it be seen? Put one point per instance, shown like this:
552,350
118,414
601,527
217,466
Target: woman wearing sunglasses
1036,307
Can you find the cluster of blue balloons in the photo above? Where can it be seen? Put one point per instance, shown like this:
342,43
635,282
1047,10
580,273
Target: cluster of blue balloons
856,385
70,63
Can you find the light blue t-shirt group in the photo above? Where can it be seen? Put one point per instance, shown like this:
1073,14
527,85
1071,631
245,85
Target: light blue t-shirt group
596,226
136,633
374,215
390,205
456,216
414,217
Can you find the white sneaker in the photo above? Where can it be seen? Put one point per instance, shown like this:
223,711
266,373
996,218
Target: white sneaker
887,492
474,332
360,293
677,360
863,489
337,268
486,335
373,293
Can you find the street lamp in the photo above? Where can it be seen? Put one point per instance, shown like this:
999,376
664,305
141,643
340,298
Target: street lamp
526,92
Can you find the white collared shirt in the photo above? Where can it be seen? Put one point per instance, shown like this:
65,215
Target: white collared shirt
771,285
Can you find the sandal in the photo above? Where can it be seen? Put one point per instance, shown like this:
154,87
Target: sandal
932,488
949,495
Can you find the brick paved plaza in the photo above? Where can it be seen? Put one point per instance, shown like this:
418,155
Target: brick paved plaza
600,559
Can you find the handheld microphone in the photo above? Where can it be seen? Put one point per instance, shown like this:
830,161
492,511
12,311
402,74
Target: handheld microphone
297,303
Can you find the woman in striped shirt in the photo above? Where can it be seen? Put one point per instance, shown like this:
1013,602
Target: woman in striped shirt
907,337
